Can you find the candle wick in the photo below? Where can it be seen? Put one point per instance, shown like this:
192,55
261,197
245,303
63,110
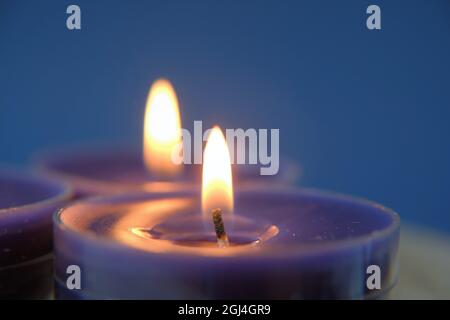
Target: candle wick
222,238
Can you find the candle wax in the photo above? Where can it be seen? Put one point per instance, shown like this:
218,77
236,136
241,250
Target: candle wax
27,203
284,244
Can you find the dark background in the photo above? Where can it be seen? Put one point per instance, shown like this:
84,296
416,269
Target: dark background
364,112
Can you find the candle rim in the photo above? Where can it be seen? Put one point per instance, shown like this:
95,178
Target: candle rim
45,163
64,190
304,249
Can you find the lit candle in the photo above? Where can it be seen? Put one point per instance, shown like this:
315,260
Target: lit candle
27,203
95,171
267,244
162,130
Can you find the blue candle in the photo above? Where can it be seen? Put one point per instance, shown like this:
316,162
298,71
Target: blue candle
27,203
274,244
287,244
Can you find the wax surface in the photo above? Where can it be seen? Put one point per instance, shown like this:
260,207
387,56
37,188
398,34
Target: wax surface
20,190
303,221
319,236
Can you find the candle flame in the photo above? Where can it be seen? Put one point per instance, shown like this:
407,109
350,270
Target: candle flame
217,186
162,129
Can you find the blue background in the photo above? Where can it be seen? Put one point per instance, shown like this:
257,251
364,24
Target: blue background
364,112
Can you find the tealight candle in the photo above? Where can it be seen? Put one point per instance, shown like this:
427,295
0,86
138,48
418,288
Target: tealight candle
27,203
98,171
277,244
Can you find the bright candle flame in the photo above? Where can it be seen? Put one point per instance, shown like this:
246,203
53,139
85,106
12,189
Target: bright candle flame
162,129
217,186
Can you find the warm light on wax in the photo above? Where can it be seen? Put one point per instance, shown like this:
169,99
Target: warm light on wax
162,129
217,186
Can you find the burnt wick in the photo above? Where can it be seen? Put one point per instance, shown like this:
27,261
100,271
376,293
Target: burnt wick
222,238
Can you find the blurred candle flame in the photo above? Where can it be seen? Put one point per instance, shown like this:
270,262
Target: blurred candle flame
217,186
162,129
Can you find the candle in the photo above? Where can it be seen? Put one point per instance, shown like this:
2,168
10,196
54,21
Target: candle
279,243
96,171
27,203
